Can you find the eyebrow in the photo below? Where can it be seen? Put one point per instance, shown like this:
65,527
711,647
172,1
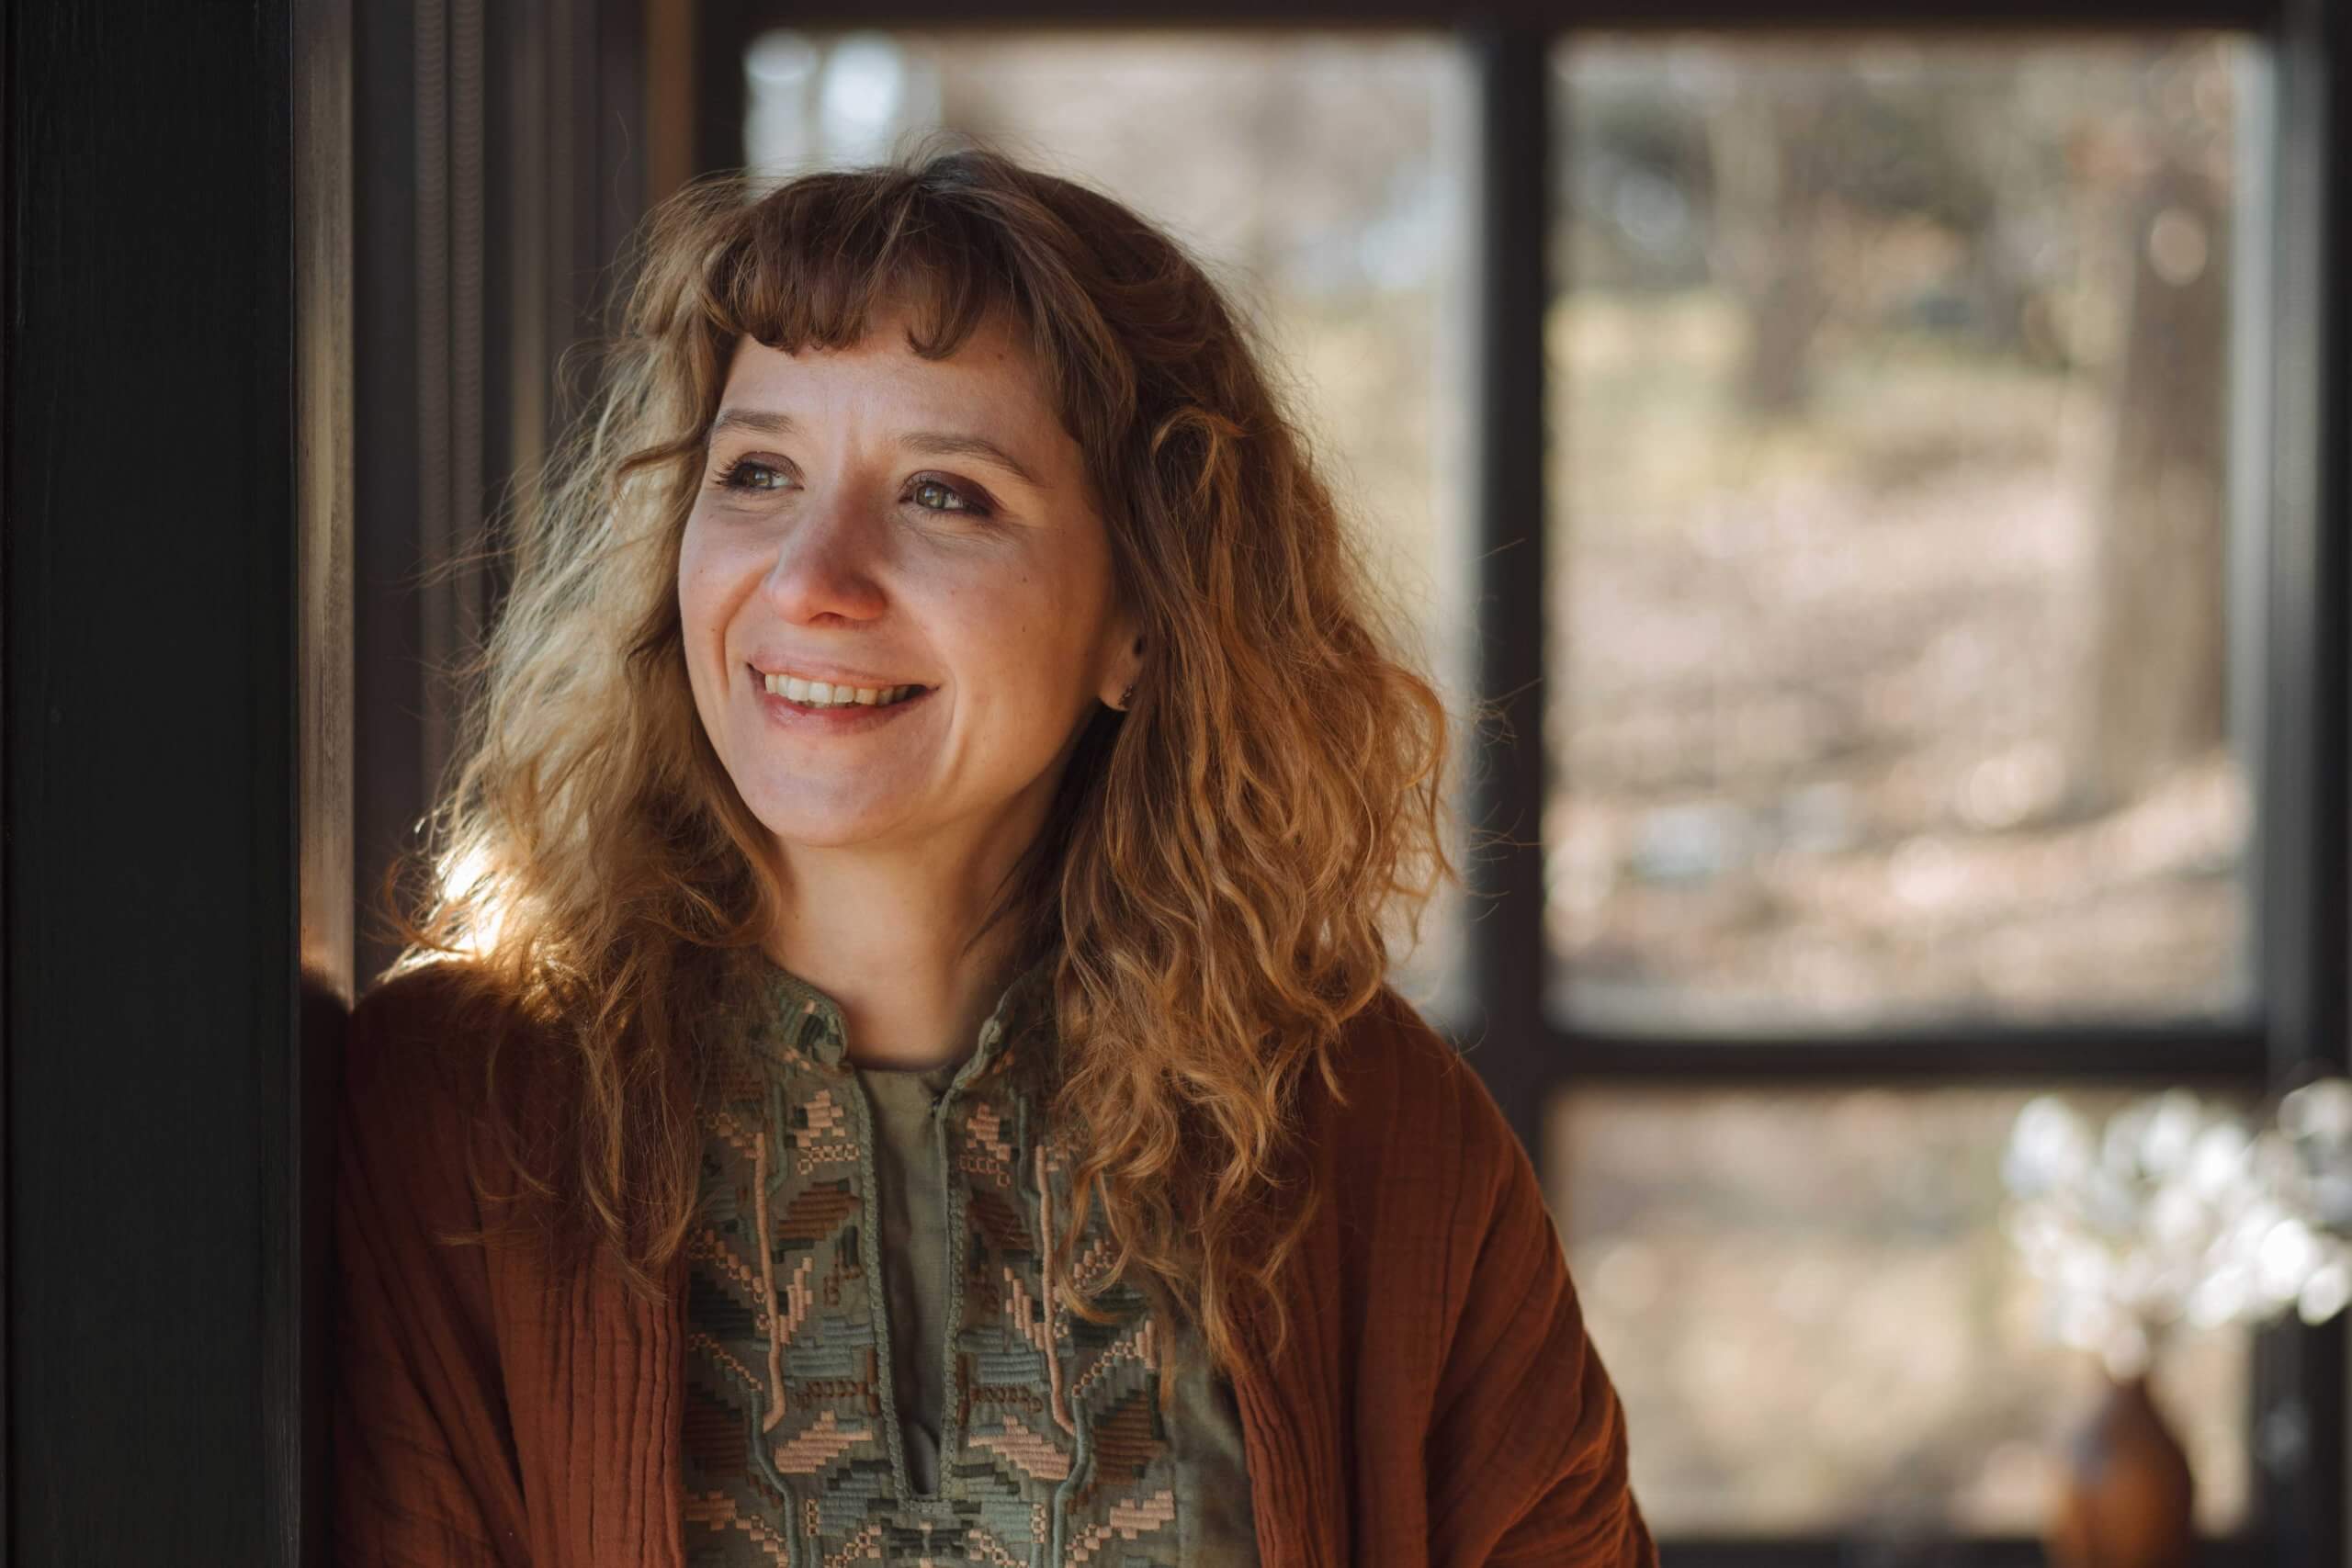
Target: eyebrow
935,443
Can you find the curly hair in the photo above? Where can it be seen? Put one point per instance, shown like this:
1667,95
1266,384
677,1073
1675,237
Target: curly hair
1213,888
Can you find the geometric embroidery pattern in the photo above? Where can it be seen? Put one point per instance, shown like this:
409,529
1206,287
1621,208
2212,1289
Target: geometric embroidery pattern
1053,1446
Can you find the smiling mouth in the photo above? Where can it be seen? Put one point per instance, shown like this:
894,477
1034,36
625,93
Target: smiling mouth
822,695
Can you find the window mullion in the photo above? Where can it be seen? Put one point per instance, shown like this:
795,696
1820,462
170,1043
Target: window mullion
2305,929
1507,776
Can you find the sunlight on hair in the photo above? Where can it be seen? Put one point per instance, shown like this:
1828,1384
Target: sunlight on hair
469,880
1221,867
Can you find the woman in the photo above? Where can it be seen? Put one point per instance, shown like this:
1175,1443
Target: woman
892,1061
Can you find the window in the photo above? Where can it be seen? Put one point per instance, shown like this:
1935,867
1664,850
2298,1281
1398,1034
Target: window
1897,617
1921,701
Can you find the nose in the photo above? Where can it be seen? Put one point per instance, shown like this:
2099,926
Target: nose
825,564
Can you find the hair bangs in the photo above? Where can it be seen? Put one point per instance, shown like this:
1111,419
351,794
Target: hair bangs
818,262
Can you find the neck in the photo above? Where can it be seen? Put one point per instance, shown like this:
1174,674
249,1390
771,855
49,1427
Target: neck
888,938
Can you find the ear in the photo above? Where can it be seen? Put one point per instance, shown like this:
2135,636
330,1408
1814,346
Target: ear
1127,662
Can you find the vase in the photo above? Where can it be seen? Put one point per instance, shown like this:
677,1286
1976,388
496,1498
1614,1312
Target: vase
2125,1494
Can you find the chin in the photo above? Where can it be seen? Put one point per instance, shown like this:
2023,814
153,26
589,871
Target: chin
799,827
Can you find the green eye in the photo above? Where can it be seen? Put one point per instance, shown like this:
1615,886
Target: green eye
959,499
745,473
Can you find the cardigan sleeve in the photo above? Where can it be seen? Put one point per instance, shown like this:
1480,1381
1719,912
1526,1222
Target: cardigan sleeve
423,1470
1527,1447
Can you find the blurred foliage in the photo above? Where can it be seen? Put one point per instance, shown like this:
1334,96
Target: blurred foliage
1890,666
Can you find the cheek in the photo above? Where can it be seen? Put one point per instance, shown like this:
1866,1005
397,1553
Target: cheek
701,614
1030,679
702,587
1026,638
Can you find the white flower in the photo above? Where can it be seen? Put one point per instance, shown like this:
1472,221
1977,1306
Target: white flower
2175,1211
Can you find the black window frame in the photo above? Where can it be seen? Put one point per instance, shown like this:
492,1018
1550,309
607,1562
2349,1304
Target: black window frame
2301,870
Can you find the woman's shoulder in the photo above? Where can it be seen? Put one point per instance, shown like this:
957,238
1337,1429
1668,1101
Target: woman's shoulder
418,1058
1412,1099
432,1016
429,990
1391,1035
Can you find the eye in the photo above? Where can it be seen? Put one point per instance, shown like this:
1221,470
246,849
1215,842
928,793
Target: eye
751,474
935,494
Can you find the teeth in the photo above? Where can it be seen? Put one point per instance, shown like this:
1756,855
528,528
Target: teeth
821,693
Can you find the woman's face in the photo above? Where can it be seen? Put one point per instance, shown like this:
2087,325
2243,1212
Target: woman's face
876,521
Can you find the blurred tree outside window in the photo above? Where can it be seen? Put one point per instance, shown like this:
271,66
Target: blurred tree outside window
1889,674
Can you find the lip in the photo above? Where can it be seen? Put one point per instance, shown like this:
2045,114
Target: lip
831,674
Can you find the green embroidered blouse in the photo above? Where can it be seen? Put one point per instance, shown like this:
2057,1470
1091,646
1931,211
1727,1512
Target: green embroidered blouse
888,1378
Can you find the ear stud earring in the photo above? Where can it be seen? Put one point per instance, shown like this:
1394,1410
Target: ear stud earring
1128,695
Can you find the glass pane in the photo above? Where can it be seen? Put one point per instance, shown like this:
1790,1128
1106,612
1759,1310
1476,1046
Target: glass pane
1321,180
1818,1326
1896,630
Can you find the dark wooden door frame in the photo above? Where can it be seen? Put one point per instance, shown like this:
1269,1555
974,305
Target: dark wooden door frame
177,794
233,235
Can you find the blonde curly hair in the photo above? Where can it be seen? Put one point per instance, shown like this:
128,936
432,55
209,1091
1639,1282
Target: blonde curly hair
1213,888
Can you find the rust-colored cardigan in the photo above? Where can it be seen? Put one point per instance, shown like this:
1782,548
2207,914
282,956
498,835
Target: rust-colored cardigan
1438,1402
